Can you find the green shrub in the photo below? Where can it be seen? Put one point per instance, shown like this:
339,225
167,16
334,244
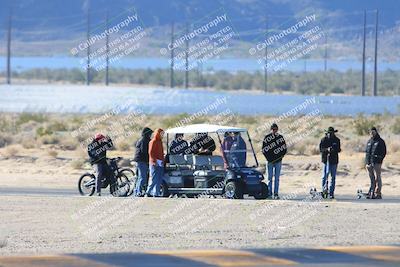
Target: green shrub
57,127
42,131
27,117
362,124
396,126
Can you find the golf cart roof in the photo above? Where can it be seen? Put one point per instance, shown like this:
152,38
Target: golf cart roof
205,128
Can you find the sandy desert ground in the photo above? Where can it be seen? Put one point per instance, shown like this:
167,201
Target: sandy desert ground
67,222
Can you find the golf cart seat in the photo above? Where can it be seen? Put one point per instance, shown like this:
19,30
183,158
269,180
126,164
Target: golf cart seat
177,160
202,162
189,159
217,161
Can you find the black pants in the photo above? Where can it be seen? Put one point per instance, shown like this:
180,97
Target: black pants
103,173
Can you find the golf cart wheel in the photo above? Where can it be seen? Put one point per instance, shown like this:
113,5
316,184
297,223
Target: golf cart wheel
263,194
87,184
233,190
164,190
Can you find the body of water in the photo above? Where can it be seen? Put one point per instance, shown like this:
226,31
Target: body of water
99,99
231,65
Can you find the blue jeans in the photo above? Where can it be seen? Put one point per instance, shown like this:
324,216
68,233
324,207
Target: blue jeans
329,169
274,169
156,173
142,173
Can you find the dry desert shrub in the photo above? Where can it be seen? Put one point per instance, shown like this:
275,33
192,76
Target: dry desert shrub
5,139
393,147
68,144
11,151
77,164
123,146
52,153
312,149
49,140
355,145
28,143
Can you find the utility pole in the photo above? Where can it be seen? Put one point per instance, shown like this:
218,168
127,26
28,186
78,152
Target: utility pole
187,57
88,44
266,59
376,56
9,48
172,56
363,55
326,53
107,51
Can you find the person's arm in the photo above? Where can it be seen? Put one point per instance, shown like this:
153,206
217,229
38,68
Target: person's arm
322,145
212,146
381,153
339,149
384,149
264,145
285,147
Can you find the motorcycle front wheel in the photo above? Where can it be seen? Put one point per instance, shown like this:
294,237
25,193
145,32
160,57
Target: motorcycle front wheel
87,184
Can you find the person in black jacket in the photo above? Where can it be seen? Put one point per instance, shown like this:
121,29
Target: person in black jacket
202,144
178,146
329,148
142,159
274,149
97,151
375,152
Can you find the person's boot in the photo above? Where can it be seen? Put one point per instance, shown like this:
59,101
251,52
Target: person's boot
99,194
332,196
378,196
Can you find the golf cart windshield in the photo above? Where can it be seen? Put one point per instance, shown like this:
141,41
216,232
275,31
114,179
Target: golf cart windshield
233,144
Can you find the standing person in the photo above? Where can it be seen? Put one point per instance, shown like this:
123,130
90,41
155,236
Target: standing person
178,146
156,162
202,144
142,160
375,152
238,151
97,151
329,148
226,149
274,149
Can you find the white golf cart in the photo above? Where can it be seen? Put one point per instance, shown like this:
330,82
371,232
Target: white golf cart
193,175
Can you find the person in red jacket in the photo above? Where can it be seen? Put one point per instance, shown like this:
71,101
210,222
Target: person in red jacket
156,164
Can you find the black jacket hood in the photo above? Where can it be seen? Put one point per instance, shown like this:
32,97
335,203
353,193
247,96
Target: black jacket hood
146,132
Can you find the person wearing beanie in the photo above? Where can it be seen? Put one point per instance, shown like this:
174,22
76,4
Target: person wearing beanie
156,163
274,149
142,160
330,149
375,152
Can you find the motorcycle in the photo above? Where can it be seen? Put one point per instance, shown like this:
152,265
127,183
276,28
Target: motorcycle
124,180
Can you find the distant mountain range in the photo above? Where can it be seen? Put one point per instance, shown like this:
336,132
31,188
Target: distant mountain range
60,21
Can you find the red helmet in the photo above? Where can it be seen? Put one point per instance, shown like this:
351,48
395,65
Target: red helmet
99,136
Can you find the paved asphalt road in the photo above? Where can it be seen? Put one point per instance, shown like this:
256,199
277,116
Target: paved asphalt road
329,256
